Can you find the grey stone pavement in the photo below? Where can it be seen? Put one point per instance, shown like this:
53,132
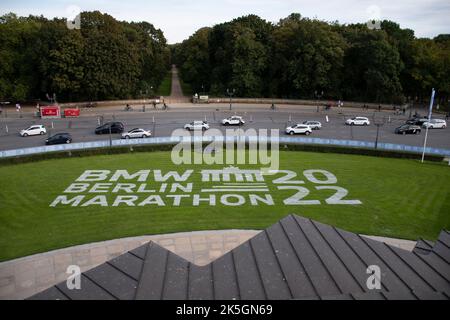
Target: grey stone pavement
23,277
176,91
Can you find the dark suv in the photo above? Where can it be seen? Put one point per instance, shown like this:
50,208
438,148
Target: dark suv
408,129
59,138
113,127
417,121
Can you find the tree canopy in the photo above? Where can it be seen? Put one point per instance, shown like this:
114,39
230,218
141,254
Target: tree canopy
294,58
297,57
104,59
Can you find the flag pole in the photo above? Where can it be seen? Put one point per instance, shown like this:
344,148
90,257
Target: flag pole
428,125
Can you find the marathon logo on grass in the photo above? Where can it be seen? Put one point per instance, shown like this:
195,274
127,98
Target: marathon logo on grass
229,186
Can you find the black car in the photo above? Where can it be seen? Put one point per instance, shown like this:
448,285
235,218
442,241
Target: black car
417,121
408,129
113,127
59,138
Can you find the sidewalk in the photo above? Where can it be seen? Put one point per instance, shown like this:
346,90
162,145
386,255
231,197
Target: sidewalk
29,112
23,277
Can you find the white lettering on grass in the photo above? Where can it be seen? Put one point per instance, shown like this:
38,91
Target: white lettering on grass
128,200
77,188
226,200
94,175
176,186
96,201
311,176
172,174
63,200
141,176
125,187
100,188
211,200
255,199
177,199
152,200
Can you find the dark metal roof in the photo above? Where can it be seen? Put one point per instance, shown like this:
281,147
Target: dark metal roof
296,258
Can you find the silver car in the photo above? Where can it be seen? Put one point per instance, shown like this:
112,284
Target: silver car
315,125
136,133
197,125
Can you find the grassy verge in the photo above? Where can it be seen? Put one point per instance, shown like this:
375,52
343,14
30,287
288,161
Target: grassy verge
166,86
400,198
186,87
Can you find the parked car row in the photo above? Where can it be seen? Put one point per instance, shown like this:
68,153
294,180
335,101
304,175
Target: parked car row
415,125
62,138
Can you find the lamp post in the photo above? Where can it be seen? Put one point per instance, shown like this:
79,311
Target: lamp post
2,104
318,96
430,111
231,93
378,123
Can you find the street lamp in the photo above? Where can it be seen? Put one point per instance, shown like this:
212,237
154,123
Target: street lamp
231,93
379,123
318,95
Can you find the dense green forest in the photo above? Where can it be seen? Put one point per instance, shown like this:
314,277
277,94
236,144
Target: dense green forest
104,59
294,58
299,57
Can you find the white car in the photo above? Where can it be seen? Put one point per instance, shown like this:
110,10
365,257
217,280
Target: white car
358,121
299,129
435,124
315,125
197,125
234,120
33,130
136,133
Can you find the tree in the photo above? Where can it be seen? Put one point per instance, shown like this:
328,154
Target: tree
307,56
106,59
372,67
193,58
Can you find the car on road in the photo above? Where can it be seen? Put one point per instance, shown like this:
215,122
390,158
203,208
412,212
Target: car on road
59,138
299,129
197,125
234,120
315,125
408,129
417,121
435,124
136,133
33,130
358,121
113,127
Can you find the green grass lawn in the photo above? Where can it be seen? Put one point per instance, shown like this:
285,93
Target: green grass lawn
186,88
166,86
400,198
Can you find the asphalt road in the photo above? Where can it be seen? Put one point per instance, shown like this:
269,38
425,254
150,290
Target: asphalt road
162,123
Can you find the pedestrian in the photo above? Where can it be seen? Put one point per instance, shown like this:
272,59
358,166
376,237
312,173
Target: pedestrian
18,107
447,115
154,104
379,107
404,110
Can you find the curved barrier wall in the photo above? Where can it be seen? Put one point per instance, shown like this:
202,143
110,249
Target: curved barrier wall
175,140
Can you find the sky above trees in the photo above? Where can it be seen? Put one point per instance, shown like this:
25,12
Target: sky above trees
181,18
